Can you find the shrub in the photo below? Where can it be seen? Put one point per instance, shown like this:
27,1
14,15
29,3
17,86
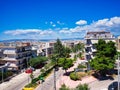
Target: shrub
82,87
35,80
81,66
81,74
74,76
31,85
90,72
64,87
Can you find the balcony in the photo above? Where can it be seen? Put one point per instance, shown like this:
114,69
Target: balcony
93,50
9,52
86,53
9,59
88,45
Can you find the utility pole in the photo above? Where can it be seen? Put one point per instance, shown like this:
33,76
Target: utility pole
54,79
118,73
2,75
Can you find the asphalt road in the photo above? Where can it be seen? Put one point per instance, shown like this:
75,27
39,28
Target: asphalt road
49,82
18,82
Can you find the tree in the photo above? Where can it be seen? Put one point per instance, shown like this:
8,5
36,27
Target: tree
59,49
78,47
67,52
105,57
31,76
40,60
65,63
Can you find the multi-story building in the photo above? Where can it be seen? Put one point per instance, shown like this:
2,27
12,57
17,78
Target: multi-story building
118,43
17,56
47,48
91,38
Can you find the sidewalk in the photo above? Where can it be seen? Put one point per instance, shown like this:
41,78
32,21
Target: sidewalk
70,83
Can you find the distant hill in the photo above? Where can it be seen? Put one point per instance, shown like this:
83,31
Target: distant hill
45,40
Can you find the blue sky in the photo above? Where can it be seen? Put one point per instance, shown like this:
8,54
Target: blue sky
51,19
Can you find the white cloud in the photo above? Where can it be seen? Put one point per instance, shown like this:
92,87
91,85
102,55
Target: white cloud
65,31
111,24
60,23
54,25
81,22
28,31
51,22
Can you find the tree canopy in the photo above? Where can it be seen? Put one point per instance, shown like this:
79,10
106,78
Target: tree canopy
105,56
78,47
59,49
34,62
65,63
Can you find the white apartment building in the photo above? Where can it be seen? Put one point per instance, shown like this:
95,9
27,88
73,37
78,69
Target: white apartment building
118,43
16,56
91,38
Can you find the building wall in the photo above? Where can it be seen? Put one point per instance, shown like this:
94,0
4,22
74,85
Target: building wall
118,43
91,38
18,57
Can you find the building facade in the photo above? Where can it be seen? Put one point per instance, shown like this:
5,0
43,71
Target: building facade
16,56
92,38
118,43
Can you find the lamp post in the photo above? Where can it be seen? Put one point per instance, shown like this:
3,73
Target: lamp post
118,73
2,75
54,78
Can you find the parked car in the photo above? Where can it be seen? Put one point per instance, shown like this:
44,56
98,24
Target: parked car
29,70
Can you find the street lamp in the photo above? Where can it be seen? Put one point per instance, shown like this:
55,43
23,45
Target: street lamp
55,78
2,75
118,73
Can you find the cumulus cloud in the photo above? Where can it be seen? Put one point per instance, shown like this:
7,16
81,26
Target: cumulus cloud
28,31
110,24
81,22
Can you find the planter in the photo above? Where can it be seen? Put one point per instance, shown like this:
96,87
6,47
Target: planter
28,88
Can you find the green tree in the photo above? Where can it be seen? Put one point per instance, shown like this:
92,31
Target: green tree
40,60
31,76
65,63
105,57
67,52
78,47
59,49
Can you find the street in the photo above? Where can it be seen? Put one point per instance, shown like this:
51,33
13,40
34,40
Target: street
49,82
19,81
101,85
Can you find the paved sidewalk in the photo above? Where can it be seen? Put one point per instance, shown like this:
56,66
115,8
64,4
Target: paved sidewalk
70,83
62,79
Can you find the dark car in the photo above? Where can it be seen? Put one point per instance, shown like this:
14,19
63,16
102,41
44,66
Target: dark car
113,86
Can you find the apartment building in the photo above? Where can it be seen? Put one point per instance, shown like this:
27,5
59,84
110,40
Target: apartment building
47,48
91,38
16,55
118,43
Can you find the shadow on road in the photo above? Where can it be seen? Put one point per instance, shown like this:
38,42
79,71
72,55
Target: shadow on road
101,78
67,73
